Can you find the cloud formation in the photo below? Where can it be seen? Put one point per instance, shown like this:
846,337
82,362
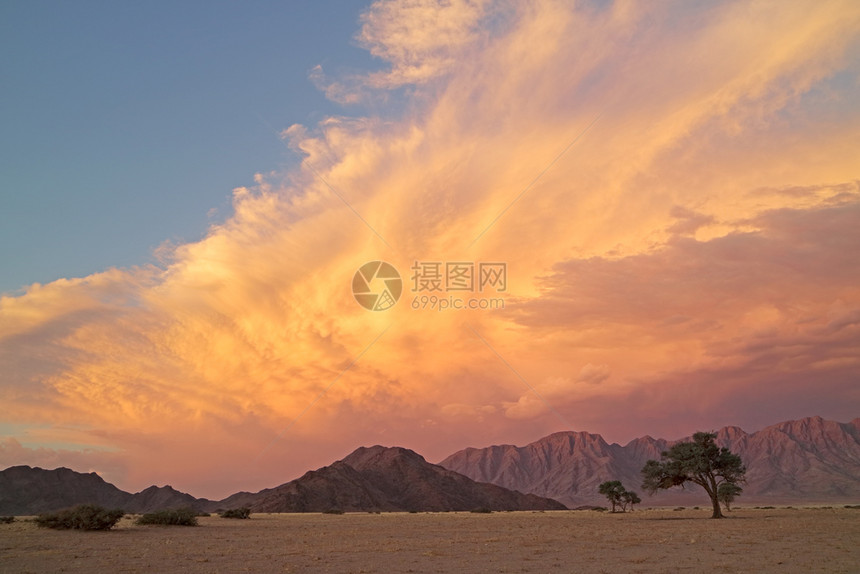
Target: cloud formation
673,188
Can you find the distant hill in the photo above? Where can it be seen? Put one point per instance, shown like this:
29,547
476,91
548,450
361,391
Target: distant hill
811,459
370,479
387,479
25,490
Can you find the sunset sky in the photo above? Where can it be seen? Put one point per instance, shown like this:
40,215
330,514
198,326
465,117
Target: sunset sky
187,193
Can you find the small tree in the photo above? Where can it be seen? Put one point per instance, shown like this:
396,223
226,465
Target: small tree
631,498
613,491
727,492
617,495
699,461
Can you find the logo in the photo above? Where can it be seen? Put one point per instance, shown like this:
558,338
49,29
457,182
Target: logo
377,286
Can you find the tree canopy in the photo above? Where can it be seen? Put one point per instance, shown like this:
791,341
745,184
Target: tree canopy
699,461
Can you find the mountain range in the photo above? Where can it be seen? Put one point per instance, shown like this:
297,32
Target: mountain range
811,460
807,460
370,479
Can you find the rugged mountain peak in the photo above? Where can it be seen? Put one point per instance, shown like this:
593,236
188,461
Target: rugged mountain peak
813,433
646,447
572,439
731,436
805,426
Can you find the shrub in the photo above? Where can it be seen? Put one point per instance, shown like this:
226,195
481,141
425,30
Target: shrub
481,510
7,519
240,513
174,517
83,517
333,511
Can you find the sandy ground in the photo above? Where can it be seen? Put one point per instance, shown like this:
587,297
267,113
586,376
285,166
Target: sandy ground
750,540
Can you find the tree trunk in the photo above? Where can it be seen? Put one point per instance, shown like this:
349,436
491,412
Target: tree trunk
712,489
717,513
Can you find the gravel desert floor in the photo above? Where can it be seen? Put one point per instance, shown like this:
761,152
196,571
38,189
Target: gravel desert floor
749,540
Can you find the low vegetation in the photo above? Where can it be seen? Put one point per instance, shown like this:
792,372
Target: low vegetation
173,517
7,519
83,517
481,510
240,513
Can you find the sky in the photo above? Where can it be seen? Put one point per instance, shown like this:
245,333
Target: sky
649,212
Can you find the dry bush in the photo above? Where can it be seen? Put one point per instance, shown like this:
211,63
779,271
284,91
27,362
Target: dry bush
174,517
83,517
240,513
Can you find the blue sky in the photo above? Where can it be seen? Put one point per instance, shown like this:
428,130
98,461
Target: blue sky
125,123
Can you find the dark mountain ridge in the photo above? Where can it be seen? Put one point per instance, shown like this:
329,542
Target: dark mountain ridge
25,490
370,479
387,479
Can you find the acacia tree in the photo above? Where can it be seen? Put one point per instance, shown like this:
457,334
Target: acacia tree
617,495
612,490
699,461
727,492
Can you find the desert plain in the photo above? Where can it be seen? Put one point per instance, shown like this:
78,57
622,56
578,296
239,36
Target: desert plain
802,539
